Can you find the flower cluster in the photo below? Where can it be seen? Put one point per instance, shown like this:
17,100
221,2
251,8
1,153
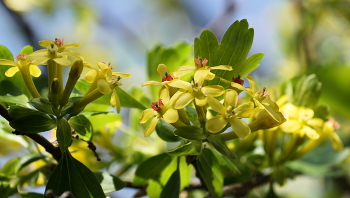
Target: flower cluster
215,116
56,55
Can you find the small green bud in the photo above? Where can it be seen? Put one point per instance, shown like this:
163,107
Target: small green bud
74,75
55,92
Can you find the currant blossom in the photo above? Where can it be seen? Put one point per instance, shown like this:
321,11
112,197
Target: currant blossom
260,97
301,120
199,64
195,90
103,82
166,77
230,112
158,110
26,68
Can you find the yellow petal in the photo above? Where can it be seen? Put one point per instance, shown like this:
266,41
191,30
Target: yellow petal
174,98
216,105
121,74
200,76
180,84
115,102
162,70
230,98
291,126
68,53
274,114
222,67
70,45
183,70
90,76
34,70
290,111
171,116
183,100
103,86
216,124
310,132
146,114
150,128
45,43
164,95
11,71
241,128
337,144
151,83
213,90
315,122
201,100
8,62
252,83
39,60
245,110
62,61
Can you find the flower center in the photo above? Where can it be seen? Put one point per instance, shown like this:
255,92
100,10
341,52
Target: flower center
167,77
238,80
200,62
230,112
21,57
261,94
157,105
59,42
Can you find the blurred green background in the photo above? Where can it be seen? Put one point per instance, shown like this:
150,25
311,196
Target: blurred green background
296,36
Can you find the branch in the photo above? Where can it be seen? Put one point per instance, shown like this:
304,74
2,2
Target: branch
236,190
49,147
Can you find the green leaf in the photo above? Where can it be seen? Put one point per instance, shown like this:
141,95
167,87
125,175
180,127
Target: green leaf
25,124
27,159
72,101
109,183
63,134
172,57
210,171
219,144
232,51
190,132
154,189
101,120
191,114
191,148
28,49
17,111
43,105
82,126
128,101
9,84
166,132
71,175
152,167
9,168
185,173
172,187
20,99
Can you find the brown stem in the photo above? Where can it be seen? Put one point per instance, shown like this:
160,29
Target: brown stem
49,147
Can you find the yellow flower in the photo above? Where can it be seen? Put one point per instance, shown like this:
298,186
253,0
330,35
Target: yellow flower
166,78
56,51
260,97
199,64
196,90
229,112
328,130
301,120
103,82
159,110
27,69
